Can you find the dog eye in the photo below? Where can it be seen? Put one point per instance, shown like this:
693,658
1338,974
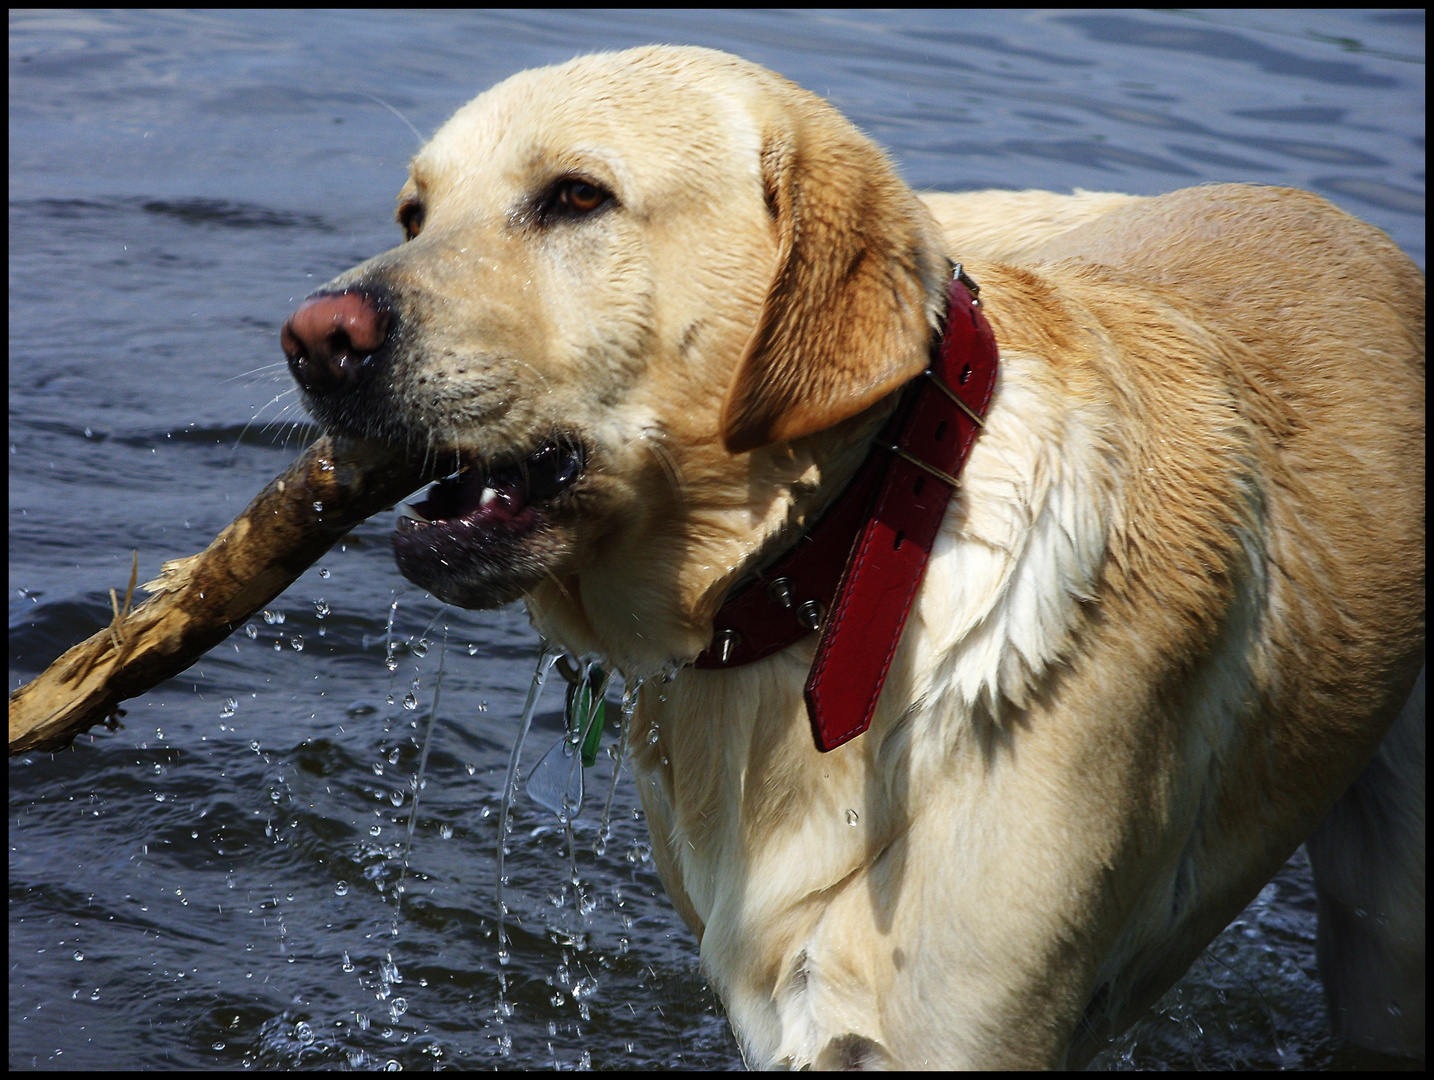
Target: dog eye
574,198
410,218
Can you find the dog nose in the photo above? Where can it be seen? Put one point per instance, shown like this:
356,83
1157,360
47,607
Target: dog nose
330,338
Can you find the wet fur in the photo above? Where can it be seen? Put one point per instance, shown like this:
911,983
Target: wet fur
1173,610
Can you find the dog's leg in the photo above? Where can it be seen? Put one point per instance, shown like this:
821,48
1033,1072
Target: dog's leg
1368,858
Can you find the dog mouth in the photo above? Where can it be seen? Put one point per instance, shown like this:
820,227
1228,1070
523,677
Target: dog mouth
505,498
474,537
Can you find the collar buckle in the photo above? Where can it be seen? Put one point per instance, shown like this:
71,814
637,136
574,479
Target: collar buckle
959,273
854,575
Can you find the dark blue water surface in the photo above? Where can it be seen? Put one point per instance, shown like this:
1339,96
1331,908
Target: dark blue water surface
213,884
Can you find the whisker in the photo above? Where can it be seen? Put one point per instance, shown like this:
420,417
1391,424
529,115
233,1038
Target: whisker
667,462
396,113
523,363
272,401
557,584
254,373
267,426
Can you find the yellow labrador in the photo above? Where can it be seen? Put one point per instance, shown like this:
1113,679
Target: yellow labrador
652,308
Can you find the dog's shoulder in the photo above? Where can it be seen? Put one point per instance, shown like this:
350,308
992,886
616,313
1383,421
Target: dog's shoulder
1011,226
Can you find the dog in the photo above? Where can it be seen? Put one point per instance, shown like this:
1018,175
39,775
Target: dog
651,313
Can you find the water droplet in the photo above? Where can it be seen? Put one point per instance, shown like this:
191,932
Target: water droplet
388,970
348,964
851,817
445,831
304,1033
638,852
323,572
230,707
251,631
397,1007
79,955
374,830
390,662
273,617
318,506
410,702
396,797
342,889
420,648
297,643
321,608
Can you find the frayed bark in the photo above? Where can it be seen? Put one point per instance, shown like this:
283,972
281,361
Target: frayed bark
197,602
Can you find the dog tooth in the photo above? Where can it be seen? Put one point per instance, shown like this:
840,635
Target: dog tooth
489,494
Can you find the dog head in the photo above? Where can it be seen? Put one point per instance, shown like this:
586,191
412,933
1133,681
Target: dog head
647,305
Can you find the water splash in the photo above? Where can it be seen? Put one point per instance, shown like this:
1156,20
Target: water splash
418,781
389,660
575,768
388,629
619,755
556,782
546,660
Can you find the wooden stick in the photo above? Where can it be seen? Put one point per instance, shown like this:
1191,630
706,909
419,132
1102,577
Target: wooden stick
199,601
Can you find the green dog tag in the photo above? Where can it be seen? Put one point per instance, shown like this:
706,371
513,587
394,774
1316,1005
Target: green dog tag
586,711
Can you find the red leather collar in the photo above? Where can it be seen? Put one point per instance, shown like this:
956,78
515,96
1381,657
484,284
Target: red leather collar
856,572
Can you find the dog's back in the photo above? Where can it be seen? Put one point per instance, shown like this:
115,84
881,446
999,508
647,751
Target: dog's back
1329,319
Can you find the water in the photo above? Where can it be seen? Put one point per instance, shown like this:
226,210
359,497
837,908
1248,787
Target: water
213,885
510,788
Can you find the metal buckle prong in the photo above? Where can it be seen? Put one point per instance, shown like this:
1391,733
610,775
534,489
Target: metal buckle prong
970,413
944,477
959,273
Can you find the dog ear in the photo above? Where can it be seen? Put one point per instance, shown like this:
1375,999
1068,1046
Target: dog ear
859,286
